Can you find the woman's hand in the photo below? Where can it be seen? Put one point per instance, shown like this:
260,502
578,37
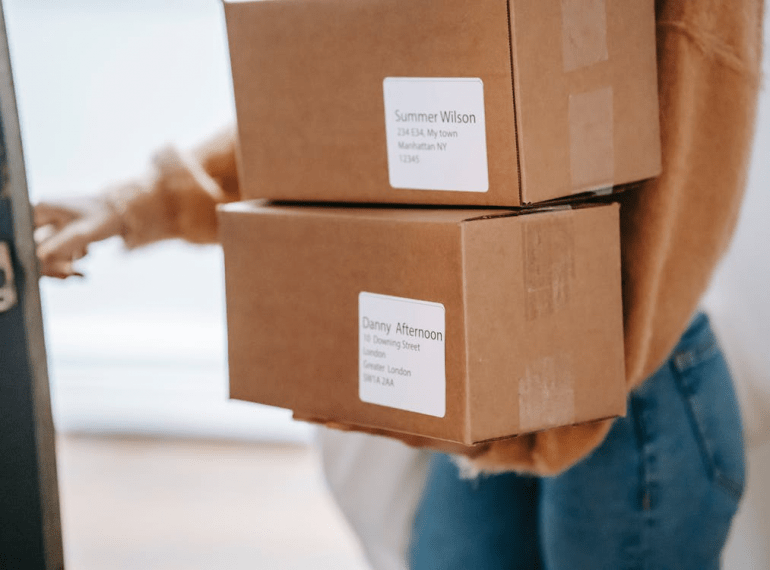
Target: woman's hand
65,229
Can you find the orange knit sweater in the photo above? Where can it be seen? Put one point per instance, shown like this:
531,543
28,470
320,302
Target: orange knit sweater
674,229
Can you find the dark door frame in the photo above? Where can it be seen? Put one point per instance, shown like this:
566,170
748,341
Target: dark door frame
30,522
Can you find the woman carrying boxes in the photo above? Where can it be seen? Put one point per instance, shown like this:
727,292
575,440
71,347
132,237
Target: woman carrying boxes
536,357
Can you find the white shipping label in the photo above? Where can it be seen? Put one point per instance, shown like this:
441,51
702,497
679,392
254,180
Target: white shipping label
436,133
401,353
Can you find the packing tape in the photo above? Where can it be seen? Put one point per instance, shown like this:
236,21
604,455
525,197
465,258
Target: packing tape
584,33
547,394
549,266
584,43
592,147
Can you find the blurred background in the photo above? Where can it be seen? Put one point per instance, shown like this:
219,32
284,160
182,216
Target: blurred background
158,470
139,344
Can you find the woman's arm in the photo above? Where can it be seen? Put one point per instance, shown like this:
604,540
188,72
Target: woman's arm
176,199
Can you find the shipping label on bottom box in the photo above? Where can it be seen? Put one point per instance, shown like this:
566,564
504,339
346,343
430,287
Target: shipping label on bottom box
401,353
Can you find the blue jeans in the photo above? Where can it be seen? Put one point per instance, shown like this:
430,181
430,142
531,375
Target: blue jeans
658,494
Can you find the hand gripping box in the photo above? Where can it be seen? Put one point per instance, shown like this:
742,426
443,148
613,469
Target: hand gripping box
456,325
444,102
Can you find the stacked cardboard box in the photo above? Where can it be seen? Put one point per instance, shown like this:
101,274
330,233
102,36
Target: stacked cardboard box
421,317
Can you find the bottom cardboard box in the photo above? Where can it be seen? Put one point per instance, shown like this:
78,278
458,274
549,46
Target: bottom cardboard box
455,325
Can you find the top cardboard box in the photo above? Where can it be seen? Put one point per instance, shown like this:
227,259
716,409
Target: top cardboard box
443,102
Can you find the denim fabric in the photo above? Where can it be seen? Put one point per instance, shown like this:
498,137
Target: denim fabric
658,494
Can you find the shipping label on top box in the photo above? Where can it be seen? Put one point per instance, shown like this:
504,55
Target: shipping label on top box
436,133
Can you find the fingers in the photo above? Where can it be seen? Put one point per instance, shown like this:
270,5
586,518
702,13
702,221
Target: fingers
50,214
43,233
69,243
64,231
59,269
56,249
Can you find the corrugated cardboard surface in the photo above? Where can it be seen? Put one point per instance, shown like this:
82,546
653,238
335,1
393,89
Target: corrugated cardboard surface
532,307
308,80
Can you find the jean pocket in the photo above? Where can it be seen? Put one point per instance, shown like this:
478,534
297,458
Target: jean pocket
707,391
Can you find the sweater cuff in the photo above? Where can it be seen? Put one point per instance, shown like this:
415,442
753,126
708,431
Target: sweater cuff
545,453
177,200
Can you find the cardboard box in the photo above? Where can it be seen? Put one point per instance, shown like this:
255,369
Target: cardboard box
459,325
444,102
